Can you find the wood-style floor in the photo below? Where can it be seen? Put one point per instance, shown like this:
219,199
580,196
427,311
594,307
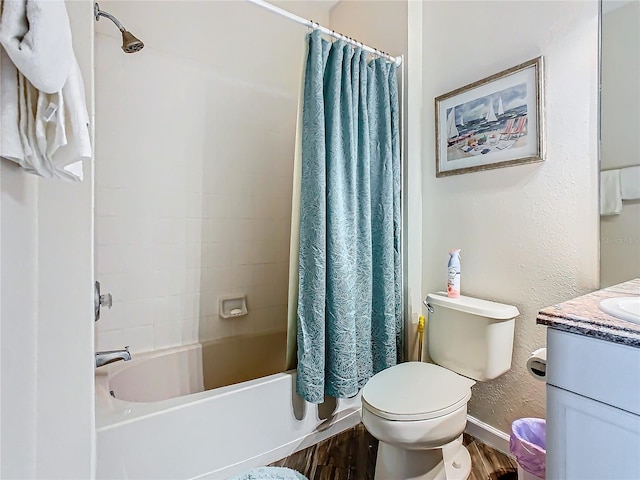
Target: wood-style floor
351,455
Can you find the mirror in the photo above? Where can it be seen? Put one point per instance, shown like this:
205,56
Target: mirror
619,134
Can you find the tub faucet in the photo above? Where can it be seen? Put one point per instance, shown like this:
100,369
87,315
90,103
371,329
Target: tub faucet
109,356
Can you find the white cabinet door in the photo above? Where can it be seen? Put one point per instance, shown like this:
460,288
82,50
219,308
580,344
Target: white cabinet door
605,371
587,439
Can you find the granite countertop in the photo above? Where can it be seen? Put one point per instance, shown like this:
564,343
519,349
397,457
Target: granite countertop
583,316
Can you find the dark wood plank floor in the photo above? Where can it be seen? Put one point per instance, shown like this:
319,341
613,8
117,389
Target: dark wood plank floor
488,463
351,455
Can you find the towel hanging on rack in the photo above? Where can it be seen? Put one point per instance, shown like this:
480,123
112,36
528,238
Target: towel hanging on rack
610,197
44,120
37,37
630,183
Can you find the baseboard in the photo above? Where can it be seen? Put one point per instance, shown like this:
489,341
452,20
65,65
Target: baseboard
487,434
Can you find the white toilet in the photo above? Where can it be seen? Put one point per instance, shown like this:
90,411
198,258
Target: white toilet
417,410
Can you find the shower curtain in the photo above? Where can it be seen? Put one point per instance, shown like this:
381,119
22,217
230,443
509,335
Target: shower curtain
349,298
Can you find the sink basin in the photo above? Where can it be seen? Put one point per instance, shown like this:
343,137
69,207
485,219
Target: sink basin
624,308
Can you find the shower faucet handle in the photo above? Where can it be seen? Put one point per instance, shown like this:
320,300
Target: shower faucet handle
100,300
106,300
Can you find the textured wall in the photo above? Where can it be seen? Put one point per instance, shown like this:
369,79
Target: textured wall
620,107
529,234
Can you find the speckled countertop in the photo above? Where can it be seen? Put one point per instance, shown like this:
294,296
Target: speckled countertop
583,316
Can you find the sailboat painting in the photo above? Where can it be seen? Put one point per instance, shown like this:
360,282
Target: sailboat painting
491,114
452,131
492,123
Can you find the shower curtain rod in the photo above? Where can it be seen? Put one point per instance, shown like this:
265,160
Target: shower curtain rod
326,31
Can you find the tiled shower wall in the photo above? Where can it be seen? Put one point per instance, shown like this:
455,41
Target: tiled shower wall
194,156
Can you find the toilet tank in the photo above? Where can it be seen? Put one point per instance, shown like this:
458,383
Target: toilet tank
470,336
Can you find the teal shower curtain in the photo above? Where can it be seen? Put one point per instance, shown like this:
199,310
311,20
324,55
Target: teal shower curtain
349,298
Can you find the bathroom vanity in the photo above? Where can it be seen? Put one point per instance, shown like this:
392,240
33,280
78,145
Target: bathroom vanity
593,388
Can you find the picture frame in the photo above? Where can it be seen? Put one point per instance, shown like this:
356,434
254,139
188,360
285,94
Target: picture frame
492,123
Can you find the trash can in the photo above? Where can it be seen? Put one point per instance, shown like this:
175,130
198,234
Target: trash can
528,443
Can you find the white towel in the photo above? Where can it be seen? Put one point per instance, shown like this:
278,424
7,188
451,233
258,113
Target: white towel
10,144
610,197
37,37
630,183
62,128
47,133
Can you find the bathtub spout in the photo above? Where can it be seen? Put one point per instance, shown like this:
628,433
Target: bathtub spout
110,356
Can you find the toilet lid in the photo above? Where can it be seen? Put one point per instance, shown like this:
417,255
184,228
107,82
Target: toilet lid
415,391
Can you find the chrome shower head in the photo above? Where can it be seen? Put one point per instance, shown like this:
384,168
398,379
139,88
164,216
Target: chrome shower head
130,43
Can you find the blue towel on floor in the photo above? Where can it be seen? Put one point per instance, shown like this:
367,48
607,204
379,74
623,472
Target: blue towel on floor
270,473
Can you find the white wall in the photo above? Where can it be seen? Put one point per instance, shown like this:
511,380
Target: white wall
620,110
378,24
18,355
194,159
529,234
47,409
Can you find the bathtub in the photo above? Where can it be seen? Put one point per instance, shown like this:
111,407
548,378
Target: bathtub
163,424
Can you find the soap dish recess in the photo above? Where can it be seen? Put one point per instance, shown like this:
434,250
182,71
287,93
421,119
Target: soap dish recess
232,306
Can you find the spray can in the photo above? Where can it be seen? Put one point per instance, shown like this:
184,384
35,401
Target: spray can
453,271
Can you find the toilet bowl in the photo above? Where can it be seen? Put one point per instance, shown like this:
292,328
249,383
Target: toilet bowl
418,411
419,426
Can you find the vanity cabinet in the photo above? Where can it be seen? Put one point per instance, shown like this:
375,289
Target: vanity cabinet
593,408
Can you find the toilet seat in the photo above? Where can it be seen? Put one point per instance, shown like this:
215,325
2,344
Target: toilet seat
415,391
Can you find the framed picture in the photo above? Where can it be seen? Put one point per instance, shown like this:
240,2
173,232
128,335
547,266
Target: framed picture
492,123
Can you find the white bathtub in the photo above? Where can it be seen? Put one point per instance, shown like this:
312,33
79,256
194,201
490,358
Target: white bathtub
164,426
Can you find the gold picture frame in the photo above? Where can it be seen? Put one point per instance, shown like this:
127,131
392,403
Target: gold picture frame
492,123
